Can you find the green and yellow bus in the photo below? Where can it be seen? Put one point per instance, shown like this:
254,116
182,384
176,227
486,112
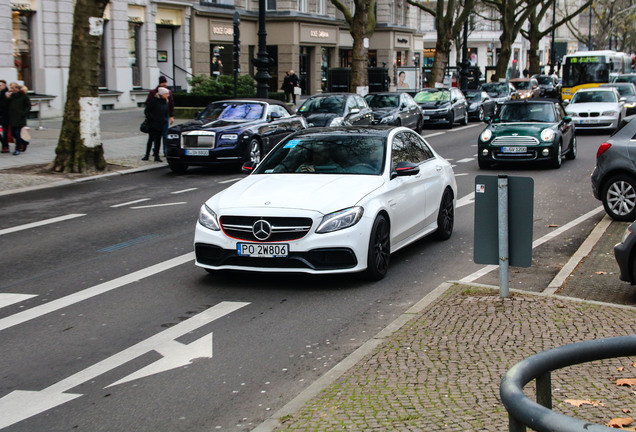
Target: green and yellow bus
591,68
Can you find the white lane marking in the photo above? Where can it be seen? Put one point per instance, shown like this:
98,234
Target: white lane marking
463,127
433,134
88,293
229,181
130,203
183,191
461,174
159,205
20,404
468,199
40,223
470,159
485,270
7,299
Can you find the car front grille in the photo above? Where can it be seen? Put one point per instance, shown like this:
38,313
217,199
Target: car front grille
282,228
515,141
198,140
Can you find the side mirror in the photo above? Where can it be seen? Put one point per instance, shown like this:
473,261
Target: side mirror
274,116
566,102
197,116
405,169
567,119
488,120
354,111
248,167
623,99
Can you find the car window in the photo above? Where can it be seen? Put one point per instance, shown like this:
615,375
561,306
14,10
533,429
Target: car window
360,101
594,96
351,104
527,112
278,110
408,147
559,111
433,96
382,101
323,104
233,111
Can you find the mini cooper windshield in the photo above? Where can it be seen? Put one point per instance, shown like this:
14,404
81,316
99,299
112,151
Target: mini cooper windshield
527,112
233,111
351,154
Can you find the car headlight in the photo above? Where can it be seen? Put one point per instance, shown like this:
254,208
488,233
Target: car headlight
338,121
630,105
388,119
547,135
208,218
340,220
229,137
474,105
172,136
485,135
610,113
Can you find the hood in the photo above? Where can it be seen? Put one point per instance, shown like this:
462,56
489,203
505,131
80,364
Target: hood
324,193
320,119
216,125
383,112
522,129
593,107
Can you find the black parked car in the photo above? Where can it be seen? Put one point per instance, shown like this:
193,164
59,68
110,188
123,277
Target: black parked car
443,105
480,105
230,132
395,109
549,85
614,177
336,109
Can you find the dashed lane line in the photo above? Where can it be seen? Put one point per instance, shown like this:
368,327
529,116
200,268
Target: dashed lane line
40,223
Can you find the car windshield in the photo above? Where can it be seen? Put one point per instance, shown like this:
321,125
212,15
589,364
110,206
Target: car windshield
593,96
324,154
626,78
323,104
233,111
625,90
527,112
522,85
383,101
495,89
544,80
433,96
473,96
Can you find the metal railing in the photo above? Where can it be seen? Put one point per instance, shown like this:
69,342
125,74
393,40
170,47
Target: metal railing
522,412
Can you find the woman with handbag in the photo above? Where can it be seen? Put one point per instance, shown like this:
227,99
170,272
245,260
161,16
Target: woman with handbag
18,107
156,113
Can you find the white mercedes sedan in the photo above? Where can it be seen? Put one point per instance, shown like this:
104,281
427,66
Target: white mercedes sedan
329,200
596,108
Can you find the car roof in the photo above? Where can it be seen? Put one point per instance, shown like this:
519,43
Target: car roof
385,93
593,89
532,101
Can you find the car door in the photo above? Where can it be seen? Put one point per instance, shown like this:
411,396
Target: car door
411,109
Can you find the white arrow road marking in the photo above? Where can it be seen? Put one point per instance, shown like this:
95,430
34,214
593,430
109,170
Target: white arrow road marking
20,405
7,299
79,296
40,223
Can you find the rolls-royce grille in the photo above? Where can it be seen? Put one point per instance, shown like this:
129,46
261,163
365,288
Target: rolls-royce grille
198,139
515,141
282,228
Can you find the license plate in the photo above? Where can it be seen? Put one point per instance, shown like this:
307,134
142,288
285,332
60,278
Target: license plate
197,152
259,250
588,121
426,117
514,149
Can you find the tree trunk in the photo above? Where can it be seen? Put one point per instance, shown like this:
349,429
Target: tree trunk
533,53
440,60
360,65
80,125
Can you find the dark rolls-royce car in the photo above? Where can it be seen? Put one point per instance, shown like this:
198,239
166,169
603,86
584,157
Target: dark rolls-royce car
336,109
230,132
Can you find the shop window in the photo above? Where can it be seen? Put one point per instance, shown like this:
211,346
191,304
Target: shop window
22,53
220,59
103,59
134,52
270,5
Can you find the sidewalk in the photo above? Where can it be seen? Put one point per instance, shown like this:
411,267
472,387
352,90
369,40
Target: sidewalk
437,367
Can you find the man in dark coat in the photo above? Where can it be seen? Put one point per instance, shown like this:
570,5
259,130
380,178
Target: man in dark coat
19,106
156,113
163,83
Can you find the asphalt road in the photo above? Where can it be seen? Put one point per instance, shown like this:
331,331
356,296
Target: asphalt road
113,285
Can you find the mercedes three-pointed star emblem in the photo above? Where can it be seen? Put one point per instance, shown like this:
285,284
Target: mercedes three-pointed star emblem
262,229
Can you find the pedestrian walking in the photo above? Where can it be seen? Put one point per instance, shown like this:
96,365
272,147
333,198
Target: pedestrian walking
4,116
163,83
287,87
295,83
157,113
19,107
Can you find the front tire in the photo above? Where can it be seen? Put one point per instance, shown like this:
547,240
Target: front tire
451,119
556,160
571,154
480,114
379,249
619,197
464,120
254,151
445,217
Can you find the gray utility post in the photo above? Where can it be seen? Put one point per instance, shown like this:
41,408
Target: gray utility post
503,223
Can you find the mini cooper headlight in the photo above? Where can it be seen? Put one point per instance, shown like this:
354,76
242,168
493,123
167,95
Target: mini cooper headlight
340,220
485,135
547,135
208,218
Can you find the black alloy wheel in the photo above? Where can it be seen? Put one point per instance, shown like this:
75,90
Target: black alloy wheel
445,217
379,249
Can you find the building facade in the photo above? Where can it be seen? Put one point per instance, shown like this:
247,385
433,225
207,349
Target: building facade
144,39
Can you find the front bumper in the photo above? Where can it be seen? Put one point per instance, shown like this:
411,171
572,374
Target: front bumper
534,153
176,154
599,122
342,251
436,116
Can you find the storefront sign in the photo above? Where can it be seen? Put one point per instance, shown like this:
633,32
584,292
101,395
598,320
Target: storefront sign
402,40
222,30
317,35
168,17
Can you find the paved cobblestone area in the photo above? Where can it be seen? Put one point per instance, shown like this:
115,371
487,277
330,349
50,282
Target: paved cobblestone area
441,371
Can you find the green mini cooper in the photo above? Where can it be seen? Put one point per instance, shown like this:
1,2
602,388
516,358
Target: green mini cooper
528,131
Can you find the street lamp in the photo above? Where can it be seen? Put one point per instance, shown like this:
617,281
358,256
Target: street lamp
552,53
262,59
